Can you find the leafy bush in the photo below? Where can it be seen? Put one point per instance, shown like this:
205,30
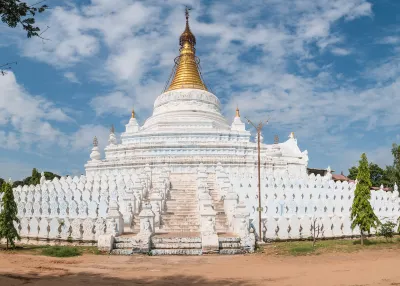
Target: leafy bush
61,251
387,230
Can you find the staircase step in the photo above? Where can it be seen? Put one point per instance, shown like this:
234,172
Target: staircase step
123,245
224,245
176,239
231,251
176,252
173,220
122,252
181,229
181,245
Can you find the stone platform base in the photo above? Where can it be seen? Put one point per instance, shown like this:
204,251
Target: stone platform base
181,243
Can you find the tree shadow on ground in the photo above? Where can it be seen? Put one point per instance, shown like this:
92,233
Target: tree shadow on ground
98,279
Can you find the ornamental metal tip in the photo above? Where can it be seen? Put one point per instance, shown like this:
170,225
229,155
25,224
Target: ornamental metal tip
291,136
187,9
237,111
112,130
95,142
133,113
276,139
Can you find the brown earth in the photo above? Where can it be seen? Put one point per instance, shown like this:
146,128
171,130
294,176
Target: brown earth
369,267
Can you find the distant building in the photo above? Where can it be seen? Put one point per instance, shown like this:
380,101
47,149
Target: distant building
322,172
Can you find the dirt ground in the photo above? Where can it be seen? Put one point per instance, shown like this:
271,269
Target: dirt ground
369,267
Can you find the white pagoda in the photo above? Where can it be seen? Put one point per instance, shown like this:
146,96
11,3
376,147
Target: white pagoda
188,129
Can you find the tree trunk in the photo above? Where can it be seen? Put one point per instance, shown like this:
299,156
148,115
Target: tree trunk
362,238
7,244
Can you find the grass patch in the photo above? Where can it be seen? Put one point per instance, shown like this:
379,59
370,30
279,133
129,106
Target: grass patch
302,250
61,251
297,248
53,250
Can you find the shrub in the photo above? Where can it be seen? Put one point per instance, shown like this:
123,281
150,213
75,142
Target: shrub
61,251
387,230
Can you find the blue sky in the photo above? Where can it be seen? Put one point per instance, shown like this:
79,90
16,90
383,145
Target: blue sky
329,70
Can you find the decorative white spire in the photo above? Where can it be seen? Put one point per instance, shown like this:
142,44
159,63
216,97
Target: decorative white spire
237,124
42,178
329,172
112,140
95,155
95,142
133,125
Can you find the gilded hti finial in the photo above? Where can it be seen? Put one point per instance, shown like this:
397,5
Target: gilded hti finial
237,111
276,139
95,142
187,9
112,130
133,113
186,71
291,136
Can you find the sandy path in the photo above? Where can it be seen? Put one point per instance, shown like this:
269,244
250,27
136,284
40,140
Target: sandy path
364,268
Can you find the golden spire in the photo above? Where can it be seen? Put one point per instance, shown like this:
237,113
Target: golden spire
133,113
187,74
237,111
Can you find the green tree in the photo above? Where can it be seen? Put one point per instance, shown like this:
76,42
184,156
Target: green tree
377,174
8,216
392,173
1,183
353,171
50,176
34,179
362,214
14,12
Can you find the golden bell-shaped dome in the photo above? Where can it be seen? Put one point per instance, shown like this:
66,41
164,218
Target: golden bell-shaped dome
186,71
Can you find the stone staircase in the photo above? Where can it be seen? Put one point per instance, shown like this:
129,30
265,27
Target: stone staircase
179,232
126,245
181,213
221,220
176,244
229,244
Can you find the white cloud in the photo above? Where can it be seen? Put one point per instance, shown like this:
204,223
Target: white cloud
340,51
71,77
83,137
390,40
116,102
28,116
68,39
385,71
